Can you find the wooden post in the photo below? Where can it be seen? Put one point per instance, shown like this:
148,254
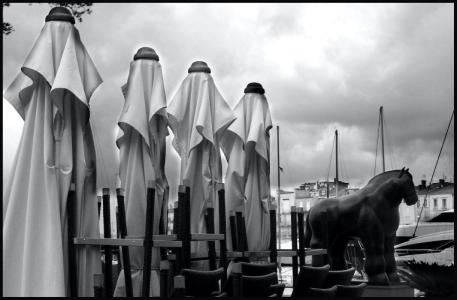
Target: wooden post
293,223
98,285
164,269
237,280
244,234
180,256
108,271
179,286
301,236
175,217
150,197
211,244
187,232
125,249
239,229
222,230
233,231
162,230
273,249
72,266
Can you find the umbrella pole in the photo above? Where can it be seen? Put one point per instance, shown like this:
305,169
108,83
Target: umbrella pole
244,234
125,249
108,271
164,269
301,236
211,244
150,197
222,230
72,266
273,249
233,231
293,222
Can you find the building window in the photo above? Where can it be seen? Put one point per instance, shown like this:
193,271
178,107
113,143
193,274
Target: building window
444,203
435,203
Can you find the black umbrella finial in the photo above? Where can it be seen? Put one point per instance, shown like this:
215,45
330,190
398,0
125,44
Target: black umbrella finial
254,87
146,53
199,66
60,13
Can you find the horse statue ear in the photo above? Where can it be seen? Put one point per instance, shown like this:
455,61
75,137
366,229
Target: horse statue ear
401,172
407,170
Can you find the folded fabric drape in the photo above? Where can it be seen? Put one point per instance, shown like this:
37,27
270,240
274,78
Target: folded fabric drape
198,116
143,123
56,149
246,144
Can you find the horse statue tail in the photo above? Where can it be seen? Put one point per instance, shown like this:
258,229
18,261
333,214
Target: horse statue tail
307,233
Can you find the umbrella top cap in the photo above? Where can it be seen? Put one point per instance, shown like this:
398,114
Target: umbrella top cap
254,87
199,66
146,53
60,13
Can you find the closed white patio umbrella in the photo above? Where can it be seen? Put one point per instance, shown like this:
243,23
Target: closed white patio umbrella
143,123
246,145
198,116
56,151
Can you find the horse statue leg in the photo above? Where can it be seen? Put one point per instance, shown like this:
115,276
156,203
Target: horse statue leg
372,236
389,257
336,253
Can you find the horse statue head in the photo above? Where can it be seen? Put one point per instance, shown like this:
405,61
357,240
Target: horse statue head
406,186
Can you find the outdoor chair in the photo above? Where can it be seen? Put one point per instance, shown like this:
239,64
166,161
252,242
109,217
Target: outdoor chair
250,269
352,291
326,292
259,286
339,277
200,283
309,277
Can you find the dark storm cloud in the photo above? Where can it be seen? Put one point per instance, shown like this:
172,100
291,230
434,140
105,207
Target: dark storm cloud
323,66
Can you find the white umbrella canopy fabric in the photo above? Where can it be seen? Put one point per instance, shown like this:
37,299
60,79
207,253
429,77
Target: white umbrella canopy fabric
142,143
246,144
56,150
198,116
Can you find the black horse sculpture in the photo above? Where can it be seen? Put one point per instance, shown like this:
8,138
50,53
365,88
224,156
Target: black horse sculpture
370,214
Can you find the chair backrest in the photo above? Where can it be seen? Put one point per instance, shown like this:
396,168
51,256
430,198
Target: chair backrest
339,277
251,269
309,277
353,291
327,292
257,286
202,283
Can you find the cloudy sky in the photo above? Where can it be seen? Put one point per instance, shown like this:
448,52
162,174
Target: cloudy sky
323,66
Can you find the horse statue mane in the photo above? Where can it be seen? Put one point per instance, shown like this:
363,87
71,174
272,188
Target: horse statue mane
371,214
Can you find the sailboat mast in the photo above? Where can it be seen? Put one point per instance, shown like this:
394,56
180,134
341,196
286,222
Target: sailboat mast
279,190
381,116
336,162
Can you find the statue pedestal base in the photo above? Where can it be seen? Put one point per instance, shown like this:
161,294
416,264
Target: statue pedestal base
394,290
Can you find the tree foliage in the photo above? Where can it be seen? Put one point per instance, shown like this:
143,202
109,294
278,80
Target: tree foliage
78,9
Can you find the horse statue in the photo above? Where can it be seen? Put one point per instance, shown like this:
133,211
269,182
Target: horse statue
370,214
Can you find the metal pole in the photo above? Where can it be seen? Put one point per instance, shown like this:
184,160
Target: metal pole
125,249
72,267
381,115
148,231
336,161
279,191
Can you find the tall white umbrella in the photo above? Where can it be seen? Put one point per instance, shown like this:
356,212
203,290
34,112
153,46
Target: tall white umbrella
143,124
198,116
56,150
246,145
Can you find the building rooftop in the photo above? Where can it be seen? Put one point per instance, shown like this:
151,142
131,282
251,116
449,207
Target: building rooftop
436,188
